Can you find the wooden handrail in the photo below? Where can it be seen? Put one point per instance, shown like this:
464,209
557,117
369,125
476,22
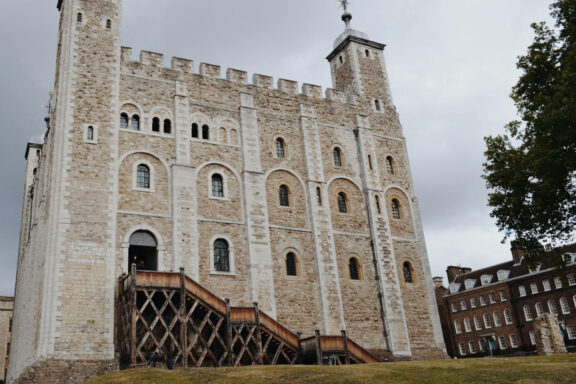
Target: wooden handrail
280,330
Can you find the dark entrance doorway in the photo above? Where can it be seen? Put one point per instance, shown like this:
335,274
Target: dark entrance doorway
143,251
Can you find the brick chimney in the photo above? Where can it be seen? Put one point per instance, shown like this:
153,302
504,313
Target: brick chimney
453,271
517,252
438,282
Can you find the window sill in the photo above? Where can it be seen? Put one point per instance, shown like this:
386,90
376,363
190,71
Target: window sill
220,273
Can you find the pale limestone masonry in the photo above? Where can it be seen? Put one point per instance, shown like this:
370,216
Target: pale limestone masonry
83,201
6,313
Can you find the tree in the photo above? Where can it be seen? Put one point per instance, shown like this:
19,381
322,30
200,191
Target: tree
531,169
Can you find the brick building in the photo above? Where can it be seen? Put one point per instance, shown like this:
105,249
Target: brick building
507,308
299,200
6,312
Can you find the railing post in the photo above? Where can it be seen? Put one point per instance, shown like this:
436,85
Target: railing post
229,334
299,359
133,308
318,347
183,321
346,352
258,333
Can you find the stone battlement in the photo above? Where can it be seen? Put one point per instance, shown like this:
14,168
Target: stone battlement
291,87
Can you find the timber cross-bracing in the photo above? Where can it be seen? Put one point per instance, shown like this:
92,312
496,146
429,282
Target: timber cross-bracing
172,315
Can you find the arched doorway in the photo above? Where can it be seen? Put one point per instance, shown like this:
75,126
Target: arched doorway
143,251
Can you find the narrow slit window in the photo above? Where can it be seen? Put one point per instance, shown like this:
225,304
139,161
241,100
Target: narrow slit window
377,105
155,124
79,18
205,132
395,209
407,272
390,165
354,268
280,148
108,24
377,199
291,264
90,133
342,203
337,157
123,121
319,195
167,126
195,130
283,195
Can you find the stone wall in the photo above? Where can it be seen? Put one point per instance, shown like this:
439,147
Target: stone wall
6,314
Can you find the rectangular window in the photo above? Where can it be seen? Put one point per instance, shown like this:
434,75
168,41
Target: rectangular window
507,316
477,323
487,321
552,307
502,342
522,291
462,349
533,288
503,296
571,279
513,341
497,320
457,327
463,305
482,300
472,346
473,302
453,307
571,331
532,338
467,326
558,282
546,285
492,298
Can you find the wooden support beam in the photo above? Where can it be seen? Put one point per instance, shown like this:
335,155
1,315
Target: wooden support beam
229,335
183,322
299,352
258,334
133,307
346,352
318,347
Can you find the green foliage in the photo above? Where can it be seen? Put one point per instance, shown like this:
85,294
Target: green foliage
558,369
531,169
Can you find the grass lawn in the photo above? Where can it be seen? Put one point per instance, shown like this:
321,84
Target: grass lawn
518,370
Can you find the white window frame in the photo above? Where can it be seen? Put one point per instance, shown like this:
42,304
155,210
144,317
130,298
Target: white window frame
503,274
552,307
522,290
467,326
135,176
534,288
539,309
231,263
528,313
477,323
463,305
469,283
472,347
508,316
532,337
564,306
472,302
453,307
497,319
502,343
457,327
487,321
224,185
482,300
546,285
503,296
513,341
571,331
558,282
485,279
462,348
492,298
571,279
94,134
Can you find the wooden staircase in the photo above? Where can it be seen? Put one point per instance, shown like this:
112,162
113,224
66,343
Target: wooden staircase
172,315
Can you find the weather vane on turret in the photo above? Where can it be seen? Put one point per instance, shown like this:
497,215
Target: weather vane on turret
346,17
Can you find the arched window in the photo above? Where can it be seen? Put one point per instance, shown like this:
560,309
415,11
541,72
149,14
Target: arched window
135,122
319,195
539,309
390,165
342,203
508,316
395,209
407,268
377,105
217,185
156,124
221,256
370,162
291,264
143,177
354,267
552,307
280,148
90,133
79,18
564,306
337,157
527,313
283,195
167,126
195,130
377,199
123,121
205,132
143,251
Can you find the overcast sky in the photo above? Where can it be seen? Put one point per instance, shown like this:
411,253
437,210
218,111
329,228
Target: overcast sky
451,63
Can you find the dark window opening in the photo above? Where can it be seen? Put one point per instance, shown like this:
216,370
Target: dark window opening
354,269
370,162
155,124
135,122
108,24
284,196
291,265
367,52
217,185
90,133
205,132
195,130
167,126
378,204
337,157
79,18
377,105
395,209
390,165
221,256
280,148
342,203
407,272
319,195
123,120
143,177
